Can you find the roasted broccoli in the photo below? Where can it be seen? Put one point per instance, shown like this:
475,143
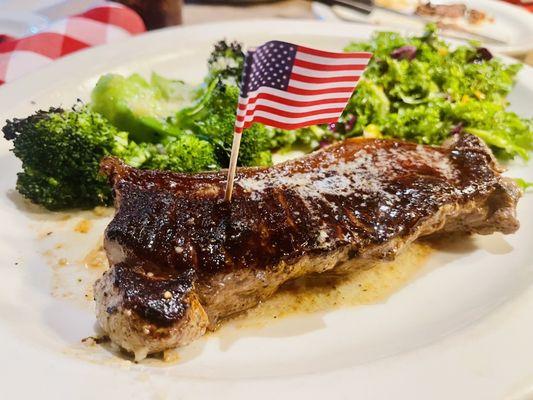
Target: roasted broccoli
185,153
213,119
225,63
60,152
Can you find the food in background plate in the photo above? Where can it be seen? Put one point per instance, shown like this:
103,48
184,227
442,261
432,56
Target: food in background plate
401,5
476,17
447,12
441,10
182,259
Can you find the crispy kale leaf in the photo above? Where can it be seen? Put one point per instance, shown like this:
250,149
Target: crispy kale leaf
420,89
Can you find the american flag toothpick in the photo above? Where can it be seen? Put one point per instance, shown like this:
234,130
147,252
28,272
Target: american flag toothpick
289,87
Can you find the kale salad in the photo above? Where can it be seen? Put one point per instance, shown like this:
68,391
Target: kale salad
415,88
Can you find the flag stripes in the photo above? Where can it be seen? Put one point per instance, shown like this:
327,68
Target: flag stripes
289,87
317,86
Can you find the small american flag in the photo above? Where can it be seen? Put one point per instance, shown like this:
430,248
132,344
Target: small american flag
289,86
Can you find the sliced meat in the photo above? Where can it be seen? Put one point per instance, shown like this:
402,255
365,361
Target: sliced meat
441,10
183,259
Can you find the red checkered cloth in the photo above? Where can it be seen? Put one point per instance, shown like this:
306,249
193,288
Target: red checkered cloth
101,24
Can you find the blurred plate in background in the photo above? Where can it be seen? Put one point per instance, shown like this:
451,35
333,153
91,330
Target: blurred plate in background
513,25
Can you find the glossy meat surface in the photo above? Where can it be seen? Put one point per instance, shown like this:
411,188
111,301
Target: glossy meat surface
362,198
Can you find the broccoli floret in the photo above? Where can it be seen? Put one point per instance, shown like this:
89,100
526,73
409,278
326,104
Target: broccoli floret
60,152
213,119
226,63
186,153
225,66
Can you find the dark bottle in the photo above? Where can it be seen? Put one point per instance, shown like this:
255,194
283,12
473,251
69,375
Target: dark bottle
157,13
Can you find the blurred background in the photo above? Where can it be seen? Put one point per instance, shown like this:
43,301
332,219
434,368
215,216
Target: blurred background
504,25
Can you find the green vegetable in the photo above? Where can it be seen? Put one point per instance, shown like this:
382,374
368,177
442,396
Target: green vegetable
525,185
60,152
171,89
417,89
420,89
213,119
225,63
305,139
134,105
186,153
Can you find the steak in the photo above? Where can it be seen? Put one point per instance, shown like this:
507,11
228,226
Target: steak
182,259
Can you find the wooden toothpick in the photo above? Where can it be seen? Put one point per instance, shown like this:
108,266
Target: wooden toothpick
232,164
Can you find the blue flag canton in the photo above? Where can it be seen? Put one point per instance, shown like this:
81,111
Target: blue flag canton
268,65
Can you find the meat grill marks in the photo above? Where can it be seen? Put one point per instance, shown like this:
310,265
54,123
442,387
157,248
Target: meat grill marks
359,199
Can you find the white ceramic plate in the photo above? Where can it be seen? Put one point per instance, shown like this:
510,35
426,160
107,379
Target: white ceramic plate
461,329
512,24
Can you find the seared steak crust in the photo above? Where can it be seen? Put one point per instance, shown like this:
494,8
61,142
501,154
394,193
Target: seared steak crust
175,243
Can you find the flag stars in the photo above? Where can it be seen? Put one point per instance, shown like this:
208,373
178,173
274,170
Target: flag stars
269,66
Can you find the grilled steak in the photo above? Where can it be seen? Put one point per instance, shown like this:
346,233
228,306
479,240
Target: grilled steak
182,258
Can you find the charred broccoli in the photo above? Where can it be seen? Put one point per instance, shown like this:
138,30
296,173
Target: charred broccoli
226,63
213,119
185,153
60,152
